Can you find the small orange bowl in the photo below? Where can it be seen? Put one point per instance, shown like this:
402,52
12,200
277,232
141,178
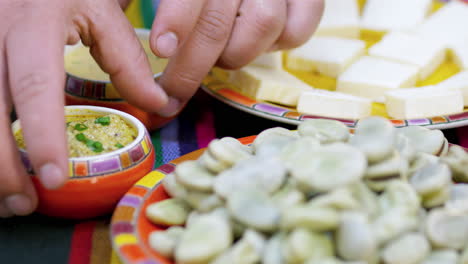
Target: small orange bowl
96,92
98,182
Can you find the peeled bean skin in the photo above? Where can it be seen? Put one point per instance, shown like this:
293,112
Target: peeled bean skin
354,238
411,248
431,178
254,209
169,212
272,141
376,137
203,241
329,167
303,244
442,257
194,176
425,140
458,198
457,159
447,229
273,252
339,199
165,242
262,173
248,250
314,218
393,223
173,188
326,131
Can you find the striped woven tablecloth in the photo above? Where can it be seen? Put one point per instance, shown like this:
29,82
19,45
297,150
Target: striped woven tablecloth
39,239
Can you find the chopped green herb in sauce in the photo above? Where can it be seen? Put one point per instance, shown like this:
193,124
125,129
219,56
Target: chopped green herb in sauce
103,120
80,127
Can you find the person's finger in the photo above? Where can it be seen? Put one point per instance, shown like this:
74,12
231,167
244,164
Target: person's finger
116,48
257,27
124,3
303,19
173,24
34,50
17,194
196,57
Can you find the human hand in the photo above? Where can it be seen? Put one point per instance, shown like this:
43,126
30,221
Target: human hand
32,38
197,34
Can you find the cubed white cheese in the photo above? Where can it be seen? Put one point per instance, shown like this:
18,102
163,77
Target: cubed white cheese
271,85
371,77
423,102
458,81
328,55
388,15
340,18
334,105
460,53
448,25
272,60
411,49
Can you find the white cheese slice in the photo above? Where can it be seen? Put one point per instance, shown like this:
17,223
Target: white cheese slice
411,49
272,60
448,25
422,102
340,18
460,53
328,55
458,81
277,86
334,105
371,77
388,15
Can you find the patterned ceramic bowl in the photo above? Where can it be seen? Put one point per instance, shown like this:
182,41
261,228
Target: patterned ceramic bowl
98,182
84,91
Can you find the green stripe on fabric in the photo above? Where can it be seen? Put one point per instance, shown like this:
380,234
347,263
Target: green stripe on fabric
156,139
147,13
35,239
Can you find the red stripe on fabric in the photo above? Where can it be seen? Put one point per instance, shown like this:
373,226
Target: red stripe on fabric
462,134
205,129
81,244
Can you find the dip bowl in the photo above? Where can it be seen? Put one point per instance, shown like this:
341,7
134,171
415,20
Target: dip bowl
80,90
98,182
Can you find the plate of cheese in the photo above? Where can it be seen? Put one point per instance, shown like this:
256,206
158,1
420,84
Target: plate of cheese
405,60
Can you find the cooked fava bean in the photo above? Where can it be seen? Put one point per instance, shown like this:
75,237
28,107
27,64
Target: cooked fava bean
354,237
447,229
303,244
165,242
326,131
168,212
410,248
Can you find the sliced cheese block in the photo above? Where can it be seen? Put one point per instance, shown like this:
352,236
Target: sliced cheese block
423,102
458,81
448,25
328,55
411,49
388,15
460,53
340,18
271,85
333,104
272,60
371,77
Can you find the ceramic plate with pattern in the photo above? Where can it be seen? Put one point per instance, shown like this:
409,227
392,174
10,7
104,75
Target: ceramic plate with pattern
216,86
130,228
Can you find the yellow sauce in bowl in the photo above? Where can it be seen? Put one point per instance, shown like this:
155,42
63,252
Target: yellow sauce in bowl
93,135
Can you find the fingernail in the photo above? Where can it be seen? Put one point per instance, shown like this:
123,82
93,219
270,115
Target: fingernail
167,44
171,108
19,204
4,211
51,176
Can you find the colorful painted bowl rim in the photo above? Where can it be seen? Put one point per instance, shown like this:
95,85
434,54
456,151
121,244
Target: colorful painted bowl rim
75,85
142,136
135,198
289,116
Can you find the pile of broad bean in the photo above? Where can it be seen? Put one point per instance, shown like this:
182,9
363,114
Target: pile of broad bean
319,195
